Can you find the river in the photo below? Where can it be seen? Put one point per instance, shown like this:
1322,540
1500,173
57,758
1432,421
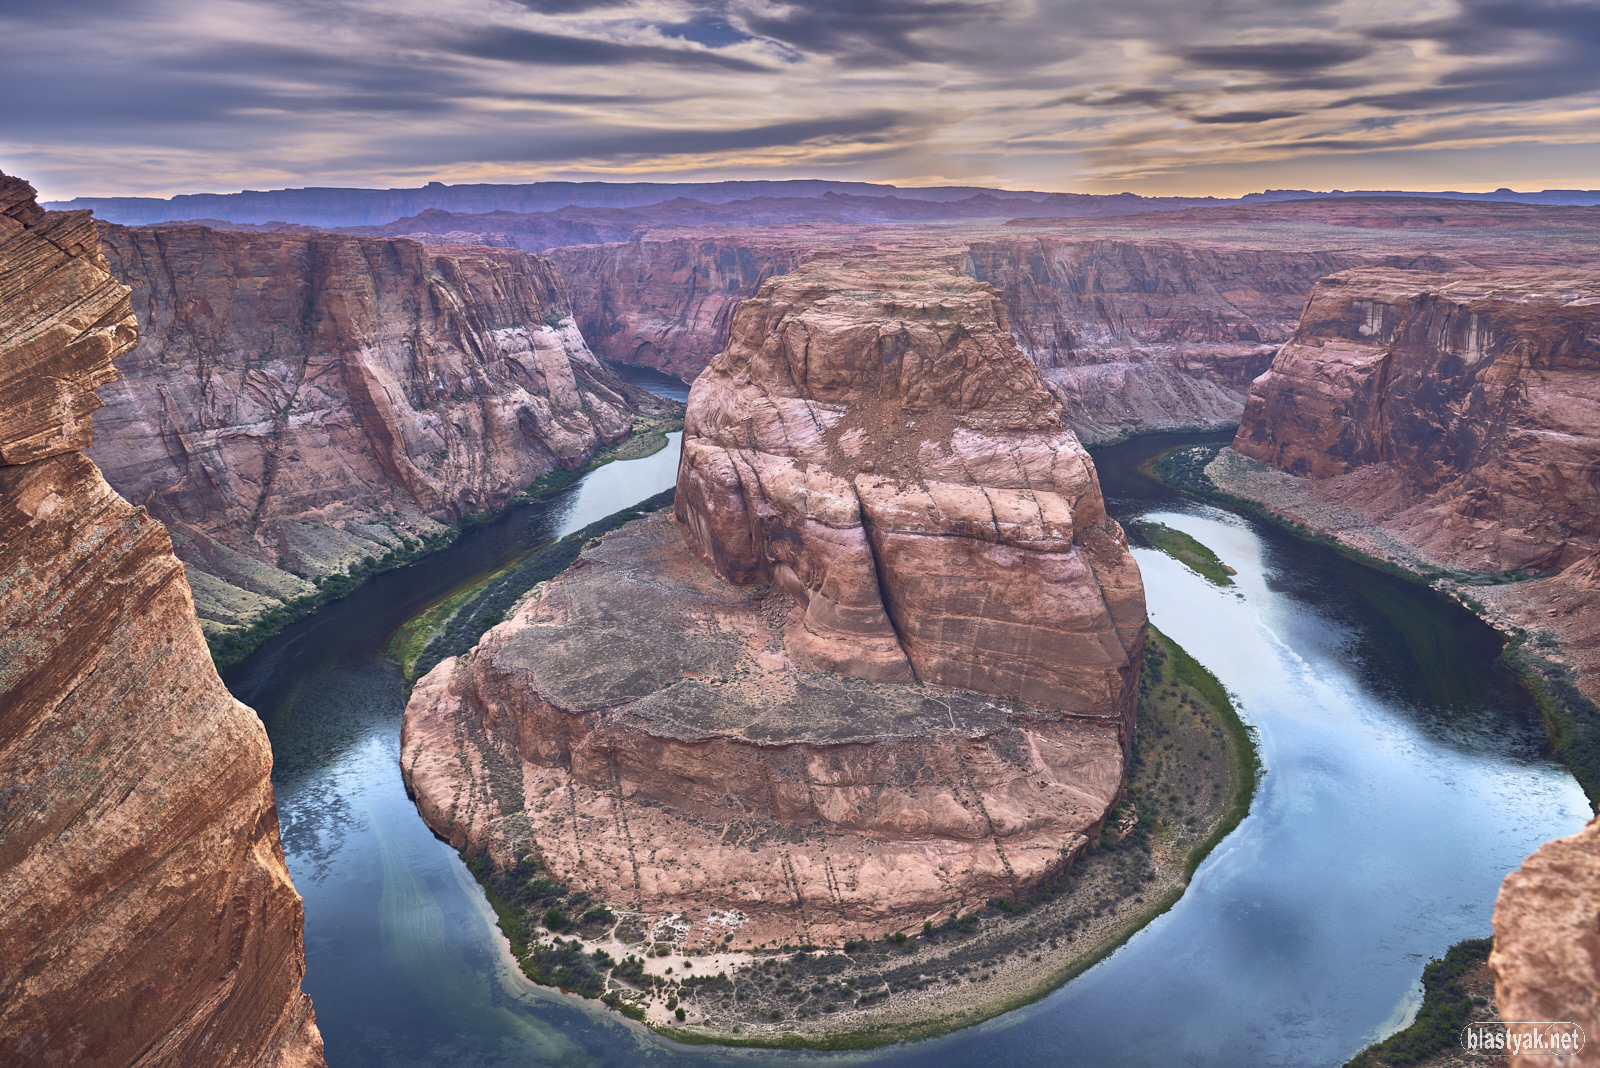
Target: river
1406,774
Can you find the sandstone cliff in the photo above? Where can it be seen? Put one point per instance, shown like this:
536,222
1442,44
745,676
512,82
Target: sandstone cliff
1133,334
1546,958
146,915
1152,334
299,403
896,464
883,665
1464,411
668,304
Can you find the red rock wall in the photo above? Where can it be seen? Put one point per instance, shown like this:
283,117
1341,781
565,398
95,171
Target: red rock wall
1477,394
667,304
146,915
1546,958
1137,335
1131,334
873,441
299,401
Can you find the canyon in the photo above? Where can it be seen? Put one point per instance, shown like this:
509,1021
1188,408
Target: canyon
1446,422
1140,322
821,725
1449,424
300,406
146,913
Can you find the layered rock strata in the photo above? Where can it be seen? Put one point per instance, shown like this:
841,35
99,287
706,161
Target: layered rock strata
299,403
668,304
873,441
1131,334
1461,411
881,666
146,915
1152,334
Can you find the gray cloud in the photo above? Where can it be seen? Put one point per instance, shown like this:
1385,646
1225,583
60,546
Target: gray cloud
1287,57
560,50
169,95
874,32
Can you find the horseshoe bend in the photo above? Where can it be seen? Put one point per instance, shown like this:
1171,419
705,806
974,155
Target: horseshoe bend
877,668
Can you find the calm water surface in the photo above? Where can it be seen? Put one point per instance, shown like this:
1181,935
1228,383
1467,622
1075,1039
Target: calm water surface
1406,775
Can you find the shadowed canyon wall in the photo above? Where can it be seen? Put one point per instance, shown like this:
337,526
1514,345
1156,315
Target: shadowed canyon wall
1132,334
146,915
299,403
882,666
667,304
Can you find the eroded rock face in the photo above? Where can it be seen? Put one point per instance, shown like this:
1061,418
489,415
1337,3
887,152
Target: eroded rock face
300,401
667,304
1131,334
881,666
640,724
1473,399
1154,334
1546,958
146,915
873,441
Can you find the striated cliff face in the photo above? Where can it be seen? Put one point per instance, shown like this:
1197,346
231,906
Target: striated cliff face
1132,334
1462,411
1153,334
300,402
146,915
882,666
873,441
667,304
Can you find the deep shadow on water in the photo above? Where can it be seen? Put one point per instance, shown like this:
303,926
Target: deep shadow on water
1407,774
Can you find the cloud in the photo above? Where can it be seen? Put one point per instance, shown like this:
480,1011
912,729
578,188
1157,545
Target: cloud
517,45
1286,57
163,96
862,33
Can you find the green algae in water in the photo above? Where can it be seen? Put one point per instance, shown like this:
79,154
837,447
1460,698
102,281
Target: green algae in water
1188,552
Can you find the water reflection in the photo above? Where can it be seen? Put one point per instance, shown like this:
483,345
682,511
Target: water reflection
1407,774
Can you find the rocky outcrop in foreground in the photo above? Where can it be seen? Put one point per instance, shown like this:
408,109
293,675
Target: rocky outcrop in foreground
1546,958
881,667
300,403
146,915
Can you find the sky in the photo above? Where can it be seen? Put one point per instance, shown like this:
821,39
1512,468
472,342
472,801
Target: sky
1218,97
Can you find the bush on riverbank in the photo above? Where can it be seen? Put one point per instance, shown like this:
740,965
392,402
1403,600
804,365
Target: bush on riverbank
1447,1007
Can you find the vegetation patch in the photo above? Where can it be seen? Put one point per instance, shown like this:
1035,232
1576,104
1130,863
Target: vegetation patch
1572,720
1187,551
1192,778
498,597
1454,995
233,645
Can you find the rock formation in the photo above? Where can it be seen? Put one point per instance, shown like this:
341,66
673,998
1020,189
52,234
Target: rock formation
896,464
1546,958
668,304
1131,334
1149,334
1462,411
299,402
880,668
146,915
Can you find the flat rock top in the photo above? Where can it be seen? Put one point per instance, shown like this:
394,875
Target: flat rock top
637,624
